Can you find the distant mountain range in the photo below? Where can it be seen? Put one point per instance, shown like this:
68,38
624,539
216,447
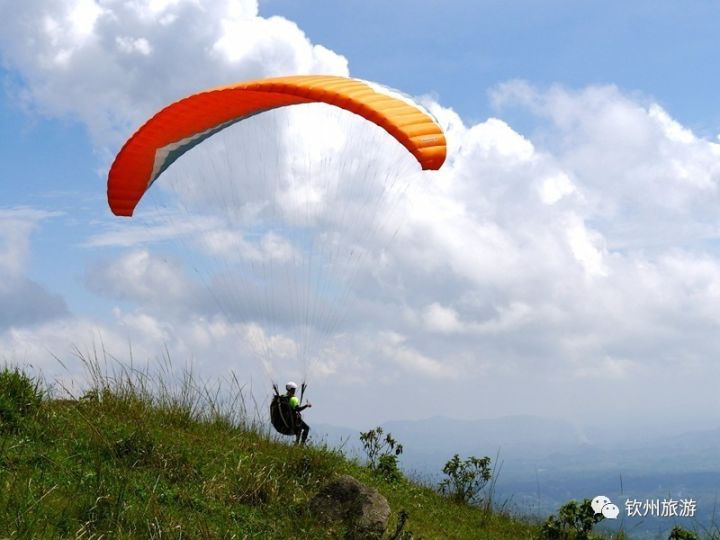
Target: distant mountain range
533,443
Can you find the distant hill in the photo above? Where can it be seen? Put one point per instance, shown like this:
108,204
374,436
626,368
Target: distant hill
533,443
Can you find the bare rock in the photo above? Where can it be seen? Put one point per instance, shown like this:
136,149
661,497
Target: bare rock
363,509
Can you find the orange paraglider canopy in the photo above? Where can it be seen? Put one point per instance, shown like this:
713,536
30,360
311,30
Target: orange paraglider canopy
186,123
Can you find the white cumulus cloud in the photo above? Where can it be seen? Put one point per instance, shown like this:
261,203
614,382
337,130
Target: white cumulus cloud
112,64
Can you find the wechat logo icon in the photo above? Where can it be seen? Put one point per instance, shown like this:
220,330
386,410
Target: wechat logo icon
602,505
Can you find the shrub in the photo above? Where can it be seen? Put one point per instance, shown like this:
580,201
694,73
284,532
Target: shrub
465,479
573,522
20,397
382,453
388,468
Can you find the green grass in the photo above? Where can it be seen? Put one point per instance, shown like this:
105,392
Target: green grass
131,461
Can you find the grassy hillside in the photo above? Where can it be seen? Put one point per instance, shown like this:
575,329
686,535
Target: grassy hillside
128,462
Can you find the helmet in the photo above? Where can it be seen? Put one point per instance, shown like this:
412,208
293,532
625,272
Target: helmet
290,386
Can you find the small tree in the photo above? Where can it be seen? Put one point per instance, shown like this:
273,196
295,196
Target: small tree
574,521
382,453
465,479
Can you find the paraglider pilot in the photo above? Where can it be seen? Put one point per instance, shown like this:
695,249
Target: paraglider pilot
301,428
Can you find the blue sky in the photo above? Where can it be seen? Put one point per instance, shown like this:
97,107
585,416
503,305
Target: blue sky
565,257
460,49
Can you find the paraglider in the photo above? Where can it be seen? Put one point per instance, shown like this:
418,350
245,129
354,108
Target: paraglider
188,122
285,412
290,257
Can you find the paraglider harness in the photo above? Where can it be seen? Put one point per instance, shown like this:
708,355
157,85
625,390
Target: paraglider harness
283,418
